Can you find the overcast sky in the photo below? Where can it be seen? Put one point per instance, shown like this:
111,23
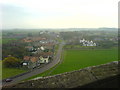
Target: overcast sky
59,13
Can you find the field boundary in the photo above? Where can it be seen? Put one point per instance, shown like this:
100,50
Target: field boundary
57,64
87,49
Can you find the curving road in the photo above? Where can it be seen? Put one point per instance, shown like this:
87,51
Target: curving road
40,70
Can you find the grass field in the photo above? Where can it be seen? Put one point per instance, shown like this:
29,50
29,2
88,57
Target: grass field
8,72
7,40
77,59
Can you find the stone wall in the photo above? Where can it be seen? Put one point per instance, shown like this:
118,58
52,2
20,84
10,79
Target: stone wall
72,79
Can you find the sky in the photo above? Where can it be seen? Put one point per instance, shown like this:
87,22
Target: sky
59,13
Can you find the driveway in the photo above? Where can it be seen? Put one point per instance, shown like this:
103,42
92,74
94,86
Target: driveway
40,70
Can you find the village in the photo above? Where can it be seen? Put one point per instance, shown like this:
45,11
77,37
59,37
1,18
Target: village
41,49
33,50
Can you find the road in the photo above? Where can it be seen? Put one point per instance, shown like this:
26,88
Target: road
40,70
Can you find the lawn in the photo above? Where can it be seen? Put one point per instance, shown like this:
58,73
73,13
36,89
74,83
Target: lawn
8,72
77,59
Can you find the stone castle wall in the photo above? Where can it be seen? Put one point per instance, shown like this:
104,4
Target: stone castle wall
72,79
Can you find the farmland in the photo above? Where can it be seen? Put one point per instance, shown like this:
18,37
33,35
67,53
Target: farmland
77,59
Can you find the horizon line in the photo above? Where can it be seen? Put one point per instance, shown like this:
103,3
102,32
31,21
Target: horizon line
61,28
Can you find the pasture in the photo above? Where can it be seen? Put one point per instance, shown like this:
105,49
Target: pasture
78,59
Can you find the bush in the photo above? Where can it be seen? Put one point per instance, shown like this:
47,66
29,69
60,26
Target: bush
11,62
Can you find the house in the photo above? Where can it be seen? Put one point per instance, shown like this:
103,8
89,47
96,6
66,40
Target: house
35,62
49,46
27,40
26,61
34,52
31,62
30,48
35,39
44,59
87,43
50,54
42,48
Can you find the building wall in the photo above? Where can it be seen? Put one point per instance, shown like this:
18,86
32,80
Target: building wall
43,60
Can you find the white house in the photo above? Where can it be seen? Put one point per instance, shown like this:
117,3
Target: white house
87,43
31,62
42,48
44,59
81,41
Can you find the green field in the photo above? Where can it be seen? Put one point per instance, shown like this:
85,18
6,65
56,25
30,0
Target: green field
77,59
9,72
7,40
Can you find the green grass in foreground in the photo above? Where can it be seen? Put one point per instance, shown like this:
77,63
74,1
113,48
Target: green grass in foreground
77,59
9,72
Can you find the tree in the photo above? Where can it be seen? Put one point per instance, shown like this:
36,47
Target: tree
30,35
11,62
46,50
106,44
16,51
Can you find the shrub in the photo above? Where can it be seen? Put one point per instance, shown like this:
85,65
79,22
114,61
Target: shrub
11,62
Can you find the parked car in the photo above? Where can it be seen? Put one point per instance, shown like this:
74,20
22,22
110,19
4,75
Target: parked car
8,80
